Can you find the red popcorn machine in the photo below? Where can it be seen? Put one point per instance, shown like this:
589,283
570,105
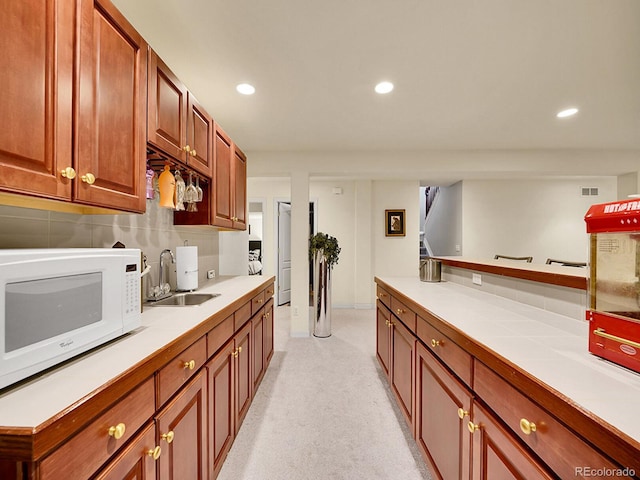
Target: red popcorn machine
614,282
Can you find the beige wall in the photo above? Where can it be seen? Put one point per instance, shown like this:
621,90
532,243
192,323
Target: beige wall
151,232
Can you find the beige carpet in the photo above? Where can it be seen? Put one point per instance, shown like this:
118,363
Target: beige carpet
323,411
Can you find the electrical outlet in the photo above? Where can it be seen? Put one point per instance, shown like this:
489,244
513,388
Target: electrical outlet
211,274
476,279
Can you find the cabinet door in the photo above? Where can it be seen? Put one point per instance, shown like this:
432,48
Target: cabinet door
137,461
383,331
402,376
257,334
167,109
182,427
239,189
243,379
221,198
36,81
221,407
199,138
267,347
499,456
111,112
442,413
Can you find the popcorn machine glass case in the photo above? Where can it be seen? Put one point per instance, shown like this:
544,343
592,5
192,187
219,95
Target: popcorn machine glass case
614,282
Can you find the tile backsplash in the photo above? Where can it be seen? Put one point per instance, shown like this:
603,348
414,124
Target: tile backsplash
151,232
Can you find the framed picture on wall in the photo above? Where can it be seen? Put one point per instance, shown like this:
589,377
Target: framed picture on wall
394,224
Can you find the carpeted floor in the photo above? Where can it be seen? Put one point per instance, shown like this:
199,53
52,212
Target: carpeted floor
324,411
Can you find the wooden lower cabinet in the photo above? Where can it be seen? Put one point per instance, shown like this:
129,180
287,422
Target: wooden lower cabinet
383,338
220,372
443,404
402,373
243,374
257,334
137,461
182,433
499,456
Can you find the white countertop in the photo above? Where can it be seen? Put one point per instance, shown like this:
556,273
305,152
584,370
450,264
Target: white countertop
32,403
551,347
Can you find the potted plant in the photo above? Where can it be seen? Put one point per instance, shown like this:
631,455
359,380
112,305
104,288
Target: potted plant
324,251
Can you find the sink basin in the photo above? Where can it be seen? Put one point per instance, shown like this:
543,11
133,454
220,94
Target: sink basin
185,300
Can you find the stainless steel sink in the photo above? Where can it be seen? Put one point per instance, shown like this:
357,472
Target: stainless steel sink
185,300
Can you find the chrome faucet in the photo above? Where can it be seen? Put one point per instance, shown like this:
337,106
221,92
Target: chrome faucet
163,275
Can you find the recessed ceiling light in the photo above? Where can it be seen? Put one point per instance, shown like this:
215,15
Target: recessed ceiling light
384,87
246,89
567,113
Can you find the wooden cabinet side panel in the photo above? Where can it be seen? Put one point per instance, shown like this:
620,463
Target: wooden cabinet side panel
36,81
240,189
111,110
186,417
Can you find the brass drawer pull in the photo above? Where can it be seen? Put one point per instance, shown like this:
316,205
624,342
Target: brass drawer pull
462,413
118,431
168,437
191,364
155,452
400,311
435,343
527,427
473,427
601,333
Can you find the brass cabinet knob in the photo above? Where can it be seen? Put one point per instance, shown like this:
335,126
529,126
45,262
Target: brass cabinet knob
186,148
239,349
118,431
473,427
88,178
193,153
155,452
168,437
462,413
382,294
435,343
527,427
400,311
191,364
68,172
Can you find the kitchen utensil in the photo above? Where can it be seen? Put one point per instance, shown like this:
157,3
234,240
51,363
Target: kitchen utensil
430,270
167,185
180,189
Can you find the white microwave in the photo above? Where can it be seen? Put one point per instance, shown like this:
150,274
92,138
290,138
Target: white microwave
58,303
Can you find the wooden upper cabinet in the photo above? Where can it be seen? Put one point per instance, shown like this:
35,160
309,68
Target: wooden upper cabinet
199,138
111,96
240,189
36,81
167,109
222,200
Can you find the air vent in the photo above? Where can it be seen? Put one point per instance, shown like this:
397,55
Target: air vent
589,191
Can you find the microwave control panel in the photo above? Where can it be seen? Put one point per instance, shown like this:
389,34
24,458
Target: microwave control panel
132,290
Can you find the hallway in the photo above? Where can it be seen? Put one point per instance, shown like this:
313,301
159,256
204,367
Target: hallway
324,411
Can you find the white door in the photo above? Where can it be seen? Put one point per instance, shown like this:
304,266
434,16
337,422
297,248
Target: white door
284,253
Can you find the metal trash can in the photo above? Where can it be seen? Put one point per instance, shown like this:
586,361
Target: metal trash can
430,270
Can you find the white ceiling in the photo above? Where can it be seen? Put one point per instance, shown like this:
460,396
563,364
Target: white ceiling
472,76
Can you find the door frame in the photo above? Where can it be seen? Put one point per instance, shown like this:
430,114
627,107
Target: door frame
277,200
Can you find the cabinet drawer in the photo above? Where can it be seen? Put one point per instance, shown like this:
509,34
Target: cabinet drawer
257,303
383,296
555,444
242,316
269,291
404,313
172,376
81,456
217,337
458,360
